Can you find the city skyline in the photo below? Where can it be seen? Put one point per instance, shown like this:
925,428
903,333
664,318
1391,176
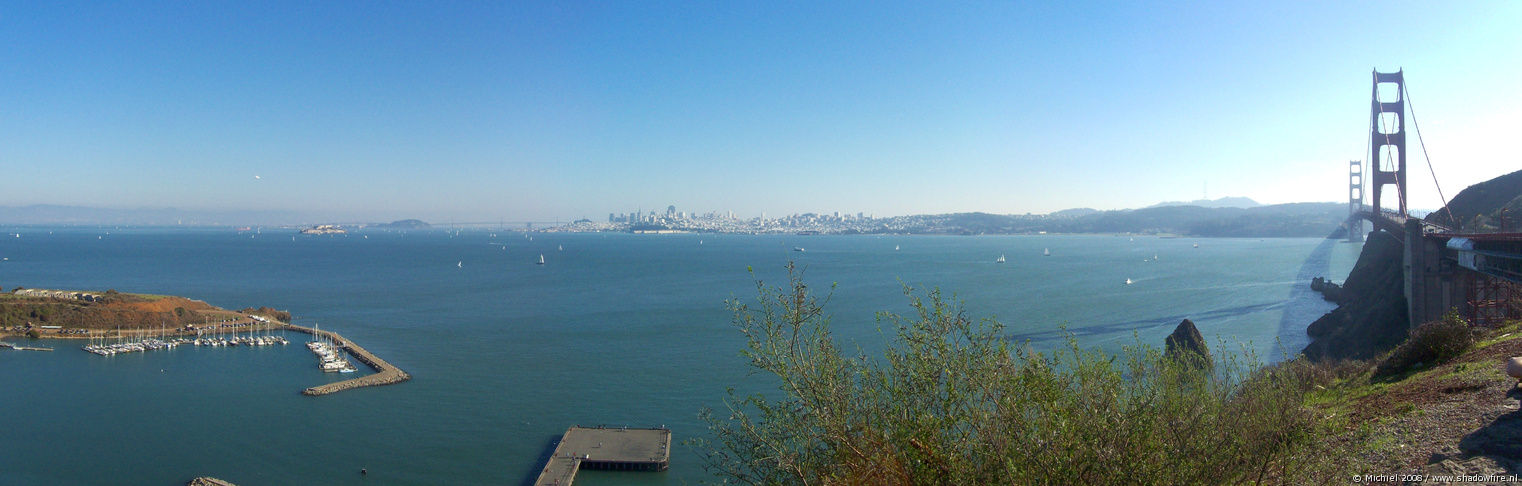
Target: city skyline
348,111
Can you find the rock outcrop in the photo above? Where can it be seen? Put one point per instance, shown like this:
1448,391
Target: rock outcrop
1187,345
1371,315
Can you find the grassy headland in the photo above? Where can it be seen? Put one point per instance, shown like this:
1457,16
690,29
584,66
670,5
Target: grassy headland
84,314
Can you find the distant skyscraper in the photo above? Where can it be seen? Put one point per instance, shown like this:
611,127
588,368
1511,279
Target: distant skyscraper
671,211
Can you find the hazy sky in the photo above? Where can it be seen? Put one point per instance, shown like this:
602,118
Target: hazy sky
528,111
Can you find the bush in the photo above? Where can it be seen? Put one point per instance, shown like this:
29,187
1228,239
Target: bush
951,403
34,334
1430,343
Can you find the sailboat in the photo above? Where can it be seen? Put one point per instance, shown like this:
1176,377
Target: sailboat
559,247
1128,281
541,259
1046,252
1000,260
895,247
460,264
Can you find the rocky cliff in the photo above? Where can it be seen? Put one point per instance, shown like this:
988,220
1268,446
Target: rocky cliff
1371,313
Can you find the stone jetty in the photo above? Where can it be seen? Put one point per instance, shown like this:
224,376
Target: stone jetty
385,373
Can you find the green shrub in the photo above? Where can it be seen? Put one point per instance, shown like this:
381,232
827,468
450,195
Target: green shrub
951,403
1429,344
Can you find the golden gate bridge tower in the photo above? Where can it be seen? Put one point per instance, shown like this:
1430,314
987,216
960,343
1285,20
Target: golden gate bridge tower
1387,140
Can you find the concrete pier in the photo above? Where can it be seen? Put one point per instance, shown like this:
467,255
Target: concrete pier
385,373
621,449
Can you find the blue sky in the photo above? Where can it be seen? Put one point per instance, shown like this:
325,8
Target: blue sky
539,111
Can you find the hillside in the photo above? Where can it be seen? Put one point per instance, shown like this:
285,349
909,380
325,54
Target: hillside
1458,417
109,310
1493,205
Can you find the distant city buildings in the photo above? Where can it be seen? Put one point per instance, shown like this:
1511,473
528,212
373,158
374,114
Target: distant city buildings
726,222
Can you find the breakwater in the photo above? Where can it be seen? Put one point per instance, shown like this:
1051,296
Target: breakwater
22,348
385,373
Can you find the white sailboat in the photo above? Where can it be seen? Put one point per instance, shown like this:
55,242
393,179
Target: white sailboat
1046,252
559,247
1000,260
1128,281
541,259
460,264
895,247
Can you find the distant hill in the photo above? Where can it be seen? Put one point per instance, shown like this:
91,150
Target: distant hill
1225,202
1493,205
1279,220
403,224
1297,219
1073,213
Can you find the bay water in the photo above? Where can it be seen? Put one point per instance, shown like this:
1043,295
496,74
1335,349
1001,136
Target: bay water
505,354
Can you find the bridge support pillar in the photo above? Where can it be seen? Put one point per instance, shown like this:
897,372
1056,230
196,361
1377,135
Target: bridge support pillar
1427,294
1355,201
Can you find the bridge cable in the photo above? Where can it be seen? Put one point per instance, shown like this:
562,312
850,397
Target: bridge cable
1430,170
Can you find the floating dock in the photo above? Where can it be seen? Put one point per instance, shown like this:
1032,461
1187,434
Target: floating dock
385,373
619,449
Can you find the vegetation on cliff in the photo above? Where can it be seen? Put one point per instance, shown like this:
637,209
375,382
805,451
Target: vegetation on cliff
952,402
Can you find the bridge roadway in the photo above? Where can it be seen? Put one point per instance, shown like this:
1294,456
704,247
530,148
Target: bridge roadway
1395,222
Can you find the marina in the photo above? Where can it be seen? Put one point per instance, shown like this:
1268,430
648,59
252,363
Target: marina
104,345
386,373
329,347
620,449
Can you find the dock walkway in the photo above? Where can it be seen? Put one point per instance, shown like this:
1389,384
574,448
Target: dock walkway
622,449
385,373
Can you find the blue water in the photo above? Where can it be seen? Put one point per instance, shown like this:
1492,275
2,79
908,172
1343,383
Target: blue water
615,329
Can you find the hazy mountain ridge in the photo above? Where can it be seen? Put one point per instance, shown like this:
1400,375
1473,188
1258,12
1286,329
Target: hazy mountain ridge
1225,202
1278,220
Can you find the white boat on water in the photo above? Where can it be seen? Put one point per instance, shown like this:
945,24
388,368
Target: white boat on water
1000,260
1128,281
541,259
895,247
1046,252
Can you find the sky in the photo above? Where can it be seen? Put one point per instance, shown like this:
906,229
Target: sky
525,111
